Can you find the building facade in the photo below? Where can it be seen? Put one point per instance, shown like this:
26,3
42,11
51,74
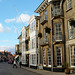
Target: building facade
69,16
45,33
27,52
33,43
48,40
23,45
20,48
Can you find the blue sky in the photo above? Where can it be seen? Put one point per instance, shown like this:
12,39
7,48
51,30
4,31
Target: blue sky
10,22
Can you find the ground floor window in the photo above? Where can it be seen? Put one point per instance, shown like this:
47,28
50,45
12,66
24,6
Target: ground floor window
44,57
73,56
59,56
33,58
49,56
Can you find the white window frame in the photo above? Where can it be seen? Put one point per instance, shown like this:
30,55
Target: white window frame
58,39
33,58
44,57
57,56
70,31
57,10
71,48
49,56
69,4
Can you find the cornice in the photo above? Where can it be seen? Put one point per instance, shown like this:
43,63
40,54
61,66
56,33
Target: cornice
42,6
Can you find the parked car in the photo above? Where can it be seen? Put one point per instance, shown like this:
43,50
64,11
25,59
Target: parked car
10,62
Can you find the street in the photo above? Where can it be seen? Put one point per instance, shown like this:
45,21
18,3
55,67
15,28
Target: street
6,69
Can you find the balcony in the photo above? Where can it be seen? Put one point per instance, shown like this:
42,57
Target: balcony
56,12
43,19
44,41
58,38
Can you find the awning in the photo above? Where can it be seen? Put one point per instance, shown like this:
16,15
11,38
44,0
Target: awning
16,56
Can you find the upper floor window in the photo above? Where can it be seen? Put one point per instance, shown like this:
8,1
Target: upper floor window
45,36
32,26
69,4
45,13
33,43
57,10
71,30
58,32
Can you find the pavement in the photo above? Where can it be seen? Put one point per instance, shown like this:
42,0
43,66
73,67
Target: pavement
43,72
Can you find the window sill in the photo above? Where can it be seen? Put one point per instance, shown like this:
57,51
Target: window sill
71,38
68,9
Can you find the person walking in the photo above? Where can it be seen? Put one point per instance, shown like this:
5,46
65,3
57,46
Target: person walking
20,63
14,64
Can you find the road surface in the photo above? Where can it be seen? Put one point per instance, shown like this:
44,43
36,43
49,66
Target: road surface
7,69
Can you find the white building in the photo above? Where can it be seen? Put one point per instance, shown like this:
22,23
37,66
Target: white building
33,43
23,45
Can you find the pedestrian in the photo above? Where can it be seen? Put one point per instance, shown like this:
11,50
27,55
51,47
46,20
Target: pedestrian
20,63
14,64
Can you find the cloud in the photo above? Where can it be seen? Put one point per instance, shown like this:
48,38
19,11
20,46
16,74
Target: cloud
24,17
8,48
5,41
8,29
1,28
10,20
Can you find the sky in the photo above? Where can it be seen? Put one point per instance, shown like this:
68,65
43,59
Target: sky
10,23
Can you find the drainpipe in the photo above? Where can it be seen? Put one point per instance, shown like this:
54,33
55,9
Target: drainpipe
51,35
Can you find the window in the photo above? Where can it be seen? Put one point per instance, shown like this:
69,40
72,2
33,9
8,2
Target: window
45,13
71,30
36,42
45,36
73,56
49,56
33,58
69,4
58,32
59,56
32,43
44,57
57,10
